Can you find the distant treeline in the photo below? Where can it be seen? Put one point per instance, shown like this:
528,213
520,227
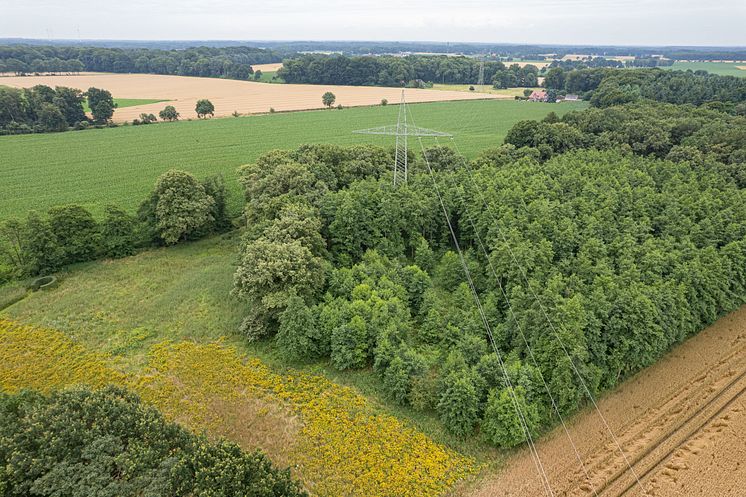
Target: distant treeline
227,62
592,62
395,71
506,50
606,87
389,47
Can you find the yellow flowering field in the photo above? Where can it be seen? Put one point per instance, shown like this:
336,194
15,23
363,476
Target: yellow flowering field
46,359
344,448
336,443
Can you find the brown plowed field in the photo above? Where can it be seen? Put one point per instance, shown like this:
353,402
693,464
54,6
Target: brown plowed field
681,424
245,97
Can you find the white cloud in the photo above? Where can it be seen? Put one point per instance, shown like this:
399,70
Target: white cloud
628,22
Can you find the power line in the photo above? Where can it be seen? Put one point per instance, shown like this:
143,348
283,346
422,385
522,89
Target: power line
520,331
402,131
553,328
524,425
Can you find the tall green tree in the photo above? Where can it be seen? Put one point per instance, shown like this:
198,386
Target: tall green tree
508,417
204,108
298,335
178,208
458,406
328,99
101,104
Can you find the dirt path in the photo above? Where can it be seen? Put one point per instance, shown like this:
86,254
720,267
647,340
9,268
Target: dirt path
245,97
681,424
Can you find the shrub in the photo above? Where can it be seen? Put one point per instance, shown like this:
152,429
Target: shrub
350,345
501,424
76,231
384,102
118,233
458,406
147,118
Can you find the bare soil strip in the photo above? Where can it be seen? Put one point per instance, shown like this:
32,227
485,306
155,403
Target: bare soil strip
244,97
681,424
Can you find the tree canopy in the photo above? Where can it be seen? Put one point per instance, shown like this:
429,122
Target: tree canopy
627,255
106,442
218,62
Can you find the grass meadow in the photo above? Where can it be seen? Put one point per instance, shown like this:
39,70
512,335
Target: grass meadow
163,323
123,308
119,165
269,77
721,68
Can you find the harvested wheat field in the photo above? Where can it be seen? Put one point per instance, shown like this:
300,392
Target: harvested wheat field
681,424
275,66
228,96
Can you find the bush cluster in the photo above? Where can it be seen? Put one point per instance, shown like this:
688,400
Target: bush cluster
180,208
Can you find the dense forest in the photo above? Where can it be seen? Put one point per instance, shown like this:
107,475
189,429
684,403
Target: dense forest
395,71
106,442
703,136
606,87
226,62
611,256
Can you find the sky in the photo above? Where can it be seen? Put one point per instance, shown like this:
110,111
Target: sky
611,22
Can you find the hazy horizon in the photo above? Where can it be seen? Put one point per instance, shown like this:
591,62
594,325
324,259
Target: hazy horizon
570,22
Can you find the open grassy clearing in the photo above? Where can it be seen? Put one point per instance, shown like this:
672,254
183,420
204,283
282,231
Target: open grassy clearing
125,307
270,77
120,165
164,318
721,68
128,102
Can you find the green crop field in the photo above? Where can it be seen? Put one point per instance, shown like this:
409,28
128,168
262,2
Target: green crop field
267,77
119,165
127,102
722,68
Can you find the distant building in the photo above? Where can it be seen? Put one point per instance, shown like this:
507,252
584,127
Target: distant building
571,98
538,96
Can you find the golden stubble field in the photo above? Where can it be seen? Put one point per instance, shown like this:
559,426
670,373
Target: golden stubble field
680,423
228,96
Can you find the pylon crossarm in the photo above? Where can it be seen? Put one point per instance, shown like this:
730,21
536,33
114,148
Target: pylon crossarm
394,130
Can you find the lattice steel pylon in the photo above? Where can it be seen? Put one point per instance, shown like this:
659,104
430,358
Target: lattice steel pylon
402,131
480,81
